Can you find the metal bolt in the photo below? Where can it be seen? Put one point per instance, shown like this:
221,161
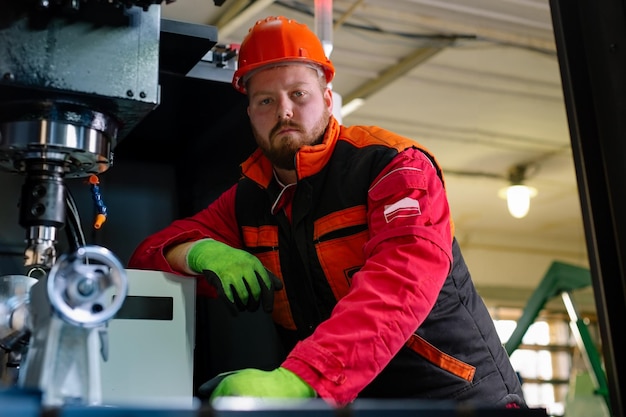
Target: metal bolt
38,210
85,287
130,93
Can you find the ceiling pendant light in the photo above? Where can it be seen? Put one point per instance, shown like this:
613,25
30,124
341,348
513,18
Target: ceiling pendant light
518,195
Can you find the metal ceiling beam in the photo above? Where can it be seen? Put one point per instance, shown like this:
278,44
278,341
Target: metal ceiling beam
238,14
347,14
233,9
438,25
394,72
487,13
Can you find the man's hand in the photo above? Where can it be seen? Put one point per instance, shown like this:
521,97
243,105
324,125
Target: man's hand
239,277
279,383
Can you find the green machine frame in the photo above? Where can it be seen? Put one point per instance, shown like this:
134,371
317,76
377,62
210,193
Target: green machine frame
561,279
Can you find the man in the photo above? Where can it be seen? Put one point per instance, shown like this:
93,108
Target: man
373,298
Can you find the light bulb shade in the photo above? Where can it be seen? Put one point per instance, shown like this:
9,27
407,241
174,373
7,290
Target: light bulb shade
518,200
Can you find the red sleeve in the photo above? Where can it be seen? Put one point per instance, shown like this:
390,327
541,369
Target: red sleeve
217,221
408,257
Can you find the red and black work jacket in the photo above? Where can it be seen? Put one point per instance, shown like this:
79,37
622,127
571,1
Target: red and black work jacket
377,300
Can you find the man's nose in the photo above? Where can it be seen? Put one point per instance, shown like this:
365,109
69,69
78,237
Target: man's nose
285,111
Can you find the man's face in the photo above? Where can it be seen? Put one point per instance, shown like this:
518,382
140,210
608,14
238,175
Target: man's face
289,107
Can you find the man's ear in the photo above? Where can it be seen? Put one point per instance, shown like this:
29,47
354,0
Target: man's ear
328,99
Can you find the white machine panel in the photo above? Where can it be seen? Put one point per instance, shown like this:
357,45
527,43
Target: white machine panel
151,343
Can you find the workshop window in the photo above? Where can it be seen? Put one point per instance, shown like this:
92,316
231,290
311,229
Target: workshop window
543,362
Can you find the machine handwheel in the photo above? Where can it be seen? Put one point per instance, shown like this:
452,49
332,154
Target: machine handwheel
88,287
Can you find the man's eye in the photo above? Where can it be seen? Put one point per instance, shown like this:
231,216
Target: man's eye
264,101
298,93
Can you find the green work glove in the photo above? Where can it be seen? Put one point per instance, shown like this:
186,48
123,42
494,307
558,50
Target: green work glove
239,277
279,383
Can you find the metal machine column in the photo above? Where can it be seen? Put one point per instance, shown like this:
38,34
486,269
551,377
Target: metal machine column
591,45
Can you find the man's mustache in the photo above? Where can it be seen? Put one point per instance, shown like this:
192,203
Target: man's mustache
281,125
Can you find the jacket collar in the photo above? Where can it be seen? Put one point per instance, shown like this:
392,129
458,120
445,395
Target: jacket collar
309,159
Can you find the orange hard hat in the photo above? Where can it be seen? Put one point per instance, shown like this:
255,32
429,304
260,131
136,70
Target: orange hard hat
277,40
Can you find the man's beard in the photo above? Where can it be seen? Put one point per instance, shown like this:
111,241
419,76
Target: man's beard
282,153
